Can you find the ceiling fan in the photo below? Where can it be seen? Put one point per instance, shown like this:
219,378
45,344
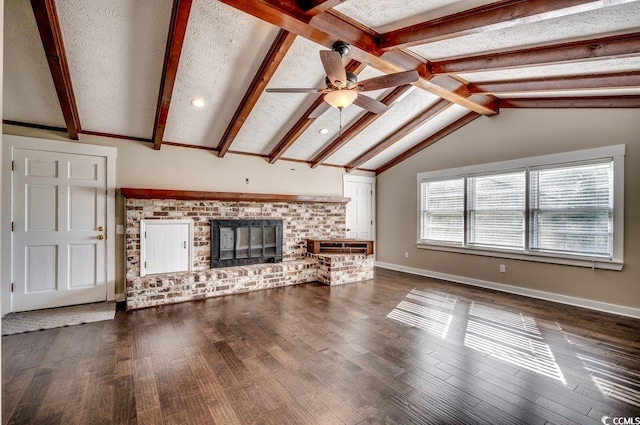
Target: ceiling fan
343,87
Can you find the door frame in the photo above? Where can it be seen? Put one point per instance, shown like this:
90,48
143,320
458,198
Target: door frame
9,143
364,179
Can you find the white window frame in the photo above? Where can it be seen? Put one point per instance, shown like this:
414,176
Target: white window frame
615,153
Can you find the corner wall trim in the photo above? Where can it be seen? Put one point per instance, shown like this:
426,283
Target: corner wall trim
533,293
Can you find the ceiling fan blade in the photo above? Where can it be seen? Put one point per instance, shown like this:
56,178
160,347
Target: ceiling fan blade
390,80
332,62
293,90
370,104
321,109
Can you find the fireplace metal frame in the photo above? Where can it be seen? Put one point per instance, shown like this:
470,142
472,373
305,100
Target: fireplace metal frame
216,225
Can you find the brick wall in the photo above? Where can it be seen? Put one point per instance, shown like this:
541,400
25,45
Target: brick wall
301,221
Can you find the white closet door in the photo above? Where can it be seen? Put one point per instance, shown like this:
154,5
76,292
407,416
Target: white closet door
166,246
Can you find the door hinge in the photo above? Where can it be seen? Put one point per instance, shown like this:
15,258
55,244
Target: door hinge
145,264
372,222
372,192
13,166
12,287
13,226
145,234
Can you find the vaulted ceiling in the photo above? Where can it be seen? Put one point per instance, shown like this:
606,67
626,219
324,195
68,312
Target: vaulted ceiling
130,69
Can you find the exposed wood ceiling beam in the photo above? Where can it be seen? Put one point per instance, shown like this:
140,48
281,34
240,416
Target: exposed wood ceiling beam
305,120
325,28
175,39
581,82
491,17
595,48
363,122
314,7
428,141
573,102
278,50
51,36
400,133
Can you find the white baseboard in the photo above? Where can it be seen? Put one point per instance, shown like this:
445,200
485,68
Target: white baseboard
533,293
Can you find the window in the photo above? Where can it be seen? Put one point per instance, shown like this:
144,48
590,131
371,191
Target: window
442,211
496,211
572,209
564,208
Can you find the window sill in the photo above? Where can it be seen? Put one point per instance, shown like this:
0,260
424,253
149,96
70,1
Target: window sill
541,258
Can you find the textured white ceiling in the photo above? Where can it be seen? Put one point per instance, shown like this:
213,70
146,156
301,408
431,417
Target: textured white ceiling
311,141
579,68
29,94
115,50
222,51
265,126
414,103
579,26
385,15
444,118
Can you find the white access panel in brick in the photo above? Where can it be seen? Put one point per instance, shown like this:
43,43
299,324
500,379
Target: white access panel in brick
166,246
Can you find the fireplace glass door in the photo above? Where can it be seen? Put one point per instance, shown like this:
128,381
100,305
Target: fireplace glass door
237,242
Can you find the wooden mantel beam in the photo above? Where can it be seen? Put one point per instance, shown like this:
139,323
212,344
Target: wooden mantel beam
576,51
325,28
175,39
491,17
51,36
196,195
275,55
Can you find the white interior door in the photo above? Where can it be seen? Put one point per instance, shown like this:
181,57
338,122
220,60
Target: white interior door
59,220
360,210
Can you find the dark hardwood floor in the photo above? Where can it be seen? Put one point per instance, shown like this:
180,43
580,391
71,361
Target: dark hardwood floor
399,349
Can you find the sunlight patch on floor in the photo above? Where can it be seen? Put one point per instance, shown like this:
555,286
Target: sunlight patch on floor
429,312
512,338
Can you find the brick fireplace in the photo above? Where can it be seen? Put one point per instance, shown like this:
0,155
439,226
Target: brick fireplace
303,217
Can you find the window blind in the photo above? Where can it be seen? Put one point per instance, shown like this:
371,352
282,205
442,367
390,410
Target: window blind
496,210
442,211
572,209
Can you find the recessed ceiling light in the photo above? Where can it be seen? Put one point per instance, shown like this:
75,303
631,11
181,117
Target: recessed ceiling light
323,131
197,102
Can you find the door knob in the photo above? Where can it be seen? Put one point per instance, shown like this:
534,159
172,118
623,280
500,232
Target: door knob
100,228
101,237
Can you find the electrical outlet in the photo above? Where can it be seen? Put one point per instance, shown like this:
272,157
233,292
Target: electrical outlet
406,255
503,268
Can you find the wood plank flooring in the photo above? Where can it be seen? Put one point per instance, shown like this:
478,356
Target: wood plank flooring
400,349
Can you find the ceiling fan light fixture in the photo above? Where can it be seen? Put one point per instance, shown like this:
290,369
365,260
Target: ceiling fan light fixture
340,98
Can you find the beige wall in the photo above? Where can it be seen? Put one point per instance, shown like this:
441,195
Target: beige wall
517,133
139,165
1,81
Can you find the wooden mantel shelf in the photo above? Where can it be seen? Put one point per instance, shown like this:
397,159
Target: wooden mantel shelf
193,195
